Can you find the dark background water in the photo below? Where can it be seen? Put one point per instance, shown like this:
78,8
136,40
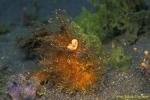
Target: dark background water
12,10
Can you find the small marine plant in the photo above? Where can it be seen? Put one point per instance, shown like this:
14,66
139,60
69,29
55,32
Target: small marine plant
119,60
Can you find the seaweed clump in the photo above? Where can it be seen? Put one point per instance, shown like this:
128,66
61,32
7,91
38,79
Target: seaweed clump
113,18
70,70
119,60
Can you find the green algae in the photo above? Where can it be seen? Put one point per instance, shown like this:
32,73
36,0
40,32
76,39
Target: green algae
111,18
119,60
